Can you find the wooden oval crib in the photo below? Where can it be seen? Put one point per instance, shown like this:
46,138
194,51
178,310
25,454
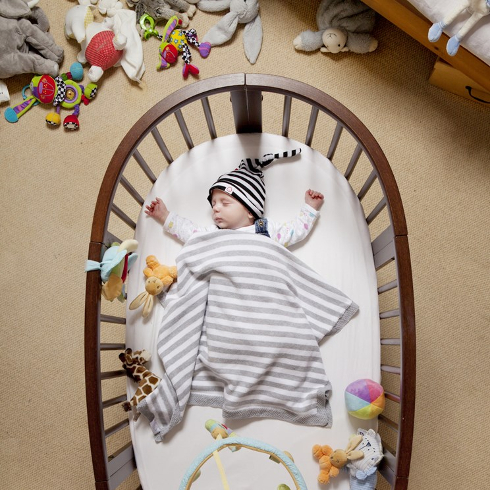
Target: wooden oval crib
205,110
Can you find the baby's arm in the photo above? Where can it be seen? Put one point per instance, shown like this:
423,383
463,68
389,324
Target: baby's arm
293,231
179,227
157,209
314,199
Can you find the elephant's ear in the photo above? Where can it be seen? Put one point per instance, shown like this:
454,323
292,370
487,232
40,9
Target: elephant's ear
15,9
252,39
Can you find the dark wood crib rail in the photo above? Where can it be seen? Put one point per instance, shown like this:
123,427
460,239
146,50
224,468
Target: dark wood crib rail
390,246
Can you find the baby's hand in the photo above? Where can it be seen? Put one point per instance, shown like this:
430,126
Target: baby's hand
314,199
157,209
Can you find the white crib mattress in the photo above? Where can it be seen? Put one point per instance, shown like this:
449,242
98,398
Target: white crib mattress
477,41
338,248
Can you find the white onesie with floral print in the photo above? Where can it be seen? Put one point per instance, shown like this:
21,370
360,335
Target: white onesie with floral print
286,233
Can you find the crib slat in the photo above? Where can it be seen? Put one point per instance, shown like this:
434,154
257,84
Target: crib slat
390,369
247,110
117,427
389,314
161,144
120,457
384,256
392,425
367,185
392,397
183,129
382,240
122,474
383,248
114,401
110,238
121,214
353,161
209,117
106,347
379,207
113,319
335,141
144,166
286,115
132,191
387,467
390,342
311,125
112,374
121,465
388,287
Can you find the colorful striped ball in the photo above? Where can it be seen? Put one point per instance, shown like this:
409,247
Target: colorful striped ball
364,399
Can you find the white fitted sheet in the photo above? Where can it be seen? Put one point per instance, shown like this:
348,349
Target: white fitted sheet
477,41
338,248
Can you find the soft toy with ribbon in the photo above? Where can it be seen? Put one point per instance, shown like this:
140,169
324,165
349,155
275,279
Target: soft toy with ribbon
114,268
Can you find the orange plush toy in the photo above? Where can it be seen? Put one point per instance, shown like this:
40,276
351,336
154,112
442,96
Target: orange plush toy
332,461
159,278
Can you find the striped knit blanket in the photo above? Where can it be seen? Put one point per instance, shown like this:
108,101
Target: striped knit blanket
241,330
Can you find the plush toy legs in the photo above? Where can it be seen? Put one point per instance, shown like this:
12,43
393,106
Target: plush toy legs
454,42
369,483
204,49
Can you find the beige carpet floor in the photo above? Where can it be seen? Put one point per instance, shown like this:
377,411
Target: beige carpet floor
438,146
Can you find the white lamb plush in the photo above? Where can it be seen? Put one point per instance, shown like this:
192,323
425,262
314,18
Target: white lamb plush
343,25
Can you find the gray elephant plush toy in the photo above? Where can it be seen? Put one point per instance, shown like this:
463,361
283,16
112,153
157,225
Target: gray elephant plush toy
343,25
27,47
241,12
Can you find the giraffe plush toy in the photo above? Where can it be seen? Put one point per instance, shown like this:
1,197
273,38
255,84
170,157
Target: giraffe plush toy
133,363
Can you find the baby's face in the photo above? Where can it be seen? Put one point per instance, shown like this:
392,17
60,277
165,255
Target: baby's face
228,213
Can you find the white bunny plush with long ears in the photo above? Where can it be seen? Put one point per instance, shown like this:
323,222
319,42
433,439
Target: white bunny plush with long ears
241,12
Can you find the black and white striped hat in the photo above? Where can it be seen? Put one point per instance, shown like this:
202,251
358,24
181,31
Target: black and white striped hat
246,183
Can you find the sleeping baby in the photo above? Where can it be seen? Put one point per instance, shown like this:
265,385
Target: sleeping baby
237,200
241,327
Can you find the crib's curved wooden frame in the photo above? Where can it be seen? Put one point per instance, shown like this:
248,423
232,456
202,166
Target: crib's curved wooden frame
246,95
